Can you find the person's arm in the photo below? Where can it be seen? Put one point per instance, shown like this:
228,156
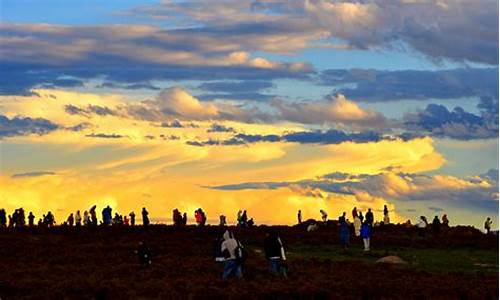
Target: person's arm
283,256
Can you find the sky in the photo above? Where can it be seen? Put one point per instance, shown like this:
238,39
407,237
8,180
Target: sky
268,106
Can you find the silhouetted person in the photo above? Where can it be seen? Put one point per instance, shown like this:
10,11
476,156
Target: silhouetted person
487,225
78,219
342,218
71,220
145,218
324,215
445,221
3,218
357,225
184,219
238,217
299,217
126,221
40,222
361,218
436,225
344,233
386,215
132,218
422,226
250,222
369,217
143,254
275,254
222,220
354,212
49,219
197,216
86,218
93,215
244,219
177,217
31,219
107,215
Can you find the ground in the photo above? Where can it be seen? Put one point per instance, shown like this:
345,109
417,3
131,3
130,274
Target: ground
62,263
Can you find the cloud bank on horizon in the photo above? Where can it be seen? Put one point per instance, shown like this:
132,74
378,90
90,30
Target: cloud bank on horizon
255,104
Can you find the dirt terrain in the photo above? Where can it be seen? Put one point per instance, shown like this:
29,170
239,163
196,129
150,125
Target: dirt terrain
99,263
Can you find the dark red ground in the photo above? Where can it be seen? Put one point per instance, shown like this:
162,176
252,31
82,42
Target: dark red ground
99,263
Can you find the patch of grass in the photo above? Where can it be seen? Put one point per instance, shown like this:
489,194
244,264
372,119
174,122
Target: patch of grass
463,260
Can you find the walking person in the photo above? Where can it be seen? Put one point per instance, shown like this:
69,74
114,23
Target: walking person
233,254
275,254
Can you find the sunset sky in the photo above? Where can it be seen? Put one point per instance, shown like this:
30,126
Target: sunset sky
268,106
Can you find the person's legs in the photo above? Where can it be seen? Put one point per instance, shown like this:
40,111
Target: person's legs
366,242
274,266
230,268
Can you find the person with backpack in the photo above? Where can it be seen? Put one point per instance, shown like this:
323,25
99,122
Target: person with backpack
233,256
275,254
366,233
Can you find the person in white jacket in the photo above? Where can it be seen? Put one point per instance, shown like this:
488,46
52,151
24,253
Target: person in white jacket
357,225
422,226
86,218
229,248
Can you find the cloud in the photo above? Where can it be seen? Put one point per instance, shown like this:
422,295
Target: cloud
435,209
220,128
18,126
335,110
458,124
33,174
89,110
377,86
105,135
395,186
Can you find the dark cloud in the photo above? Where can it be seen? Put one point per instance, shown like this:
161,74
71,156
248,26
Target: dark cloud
24,126
375,85
33,174
457,124
331,136
132,86
236,90
80,127
105,135
89,110
215,127
435,209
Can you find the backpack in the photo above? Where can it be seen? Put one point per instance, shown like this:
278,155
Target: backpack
240,253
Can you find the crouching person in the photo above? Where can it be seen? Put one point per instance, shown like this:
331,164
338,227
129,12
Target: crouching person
275,254
232,251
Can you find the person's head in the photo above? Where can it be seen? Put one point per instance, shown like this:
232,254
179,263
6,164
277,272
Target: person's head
300,211
228,235
436,217
488,218
343,214
369,209
422,218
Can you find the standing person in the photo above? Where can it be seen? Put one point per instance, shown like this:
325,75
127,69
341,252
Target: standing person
357,225
238,218
342,218
3,218
145,218
275,254
132,218
231,249
324,215
125,221
78,219
71,220
369,217
184,219
445,221
93,215
386,215
203,217
50,220
197,216
436,225
354,212
244,219
487,225
299,217
422,226
86,218
31,219
344,234
361,218
222,220
366,233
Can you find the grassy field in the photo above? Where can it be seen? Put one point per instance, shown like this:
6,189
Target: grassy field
99,263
